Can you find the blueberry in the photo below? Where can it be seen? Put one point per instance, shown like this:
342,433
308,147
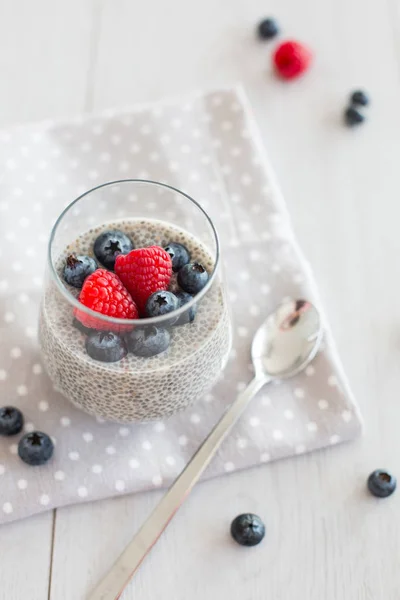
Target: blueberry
247,529
148,341
359,98
77,268
35,448
161,303
11,420
105,346
82,328
192,277
109,244
381,483
189,315
353,117
179,255
267,29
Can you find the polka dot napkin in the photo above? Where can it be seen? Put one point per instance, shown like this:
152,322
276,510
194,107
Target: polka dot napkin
208,146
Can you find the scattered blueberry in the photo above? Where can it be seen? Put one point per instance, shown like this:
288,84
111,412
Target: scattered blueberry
381,483
359,98
353,117
267,29
35,448
109,244
78,325
77,268
161,303
11,420
189,315
192,277
247,529
179,255
105,346
148,341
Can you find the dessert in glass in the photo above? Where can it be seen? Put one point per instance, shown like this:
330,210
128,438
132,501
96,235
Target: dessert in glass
134,323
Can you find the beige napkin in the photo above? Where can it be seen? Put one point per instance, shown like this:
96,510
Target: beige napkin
208,146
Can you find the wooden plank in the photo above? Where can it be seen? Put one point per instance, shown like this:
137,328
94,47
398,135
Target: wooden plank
25,558
45,58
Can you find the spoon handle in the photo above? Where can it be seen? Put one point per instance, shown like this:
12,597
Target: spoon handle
113,584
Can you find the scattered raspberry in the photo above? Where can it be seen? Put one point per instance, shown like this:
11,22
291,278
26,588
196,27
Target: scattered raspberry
291,59
143,272
104,293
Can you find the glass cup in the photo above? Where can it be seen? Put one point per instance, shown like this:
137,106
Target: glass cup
135,388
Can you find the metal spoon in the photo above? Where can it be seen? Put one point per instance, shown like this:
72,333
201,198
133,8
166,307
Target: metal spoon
282,347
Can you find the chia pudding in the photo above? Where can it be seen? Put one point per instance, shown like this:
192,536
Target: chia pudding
136,388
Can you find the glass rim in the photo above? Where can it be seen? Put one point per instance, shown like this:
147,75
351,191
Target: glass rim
114,320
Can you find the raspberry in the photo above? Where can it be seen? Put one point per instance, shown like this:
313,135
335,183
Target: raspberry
104,293
291,59
143,272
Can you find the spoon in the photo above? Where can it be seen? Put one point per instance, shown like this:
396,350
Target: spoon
283,346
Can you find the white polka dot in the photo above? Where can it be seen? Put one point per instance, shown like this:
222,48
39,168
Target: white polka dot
300,448
116,139
30,251
97,129
170,460
2,469
254,310
182,440
111,450
216,100
242,331
124,431
208,398
43,406
59,475
334,439
246,179
7,508
276,268
3,205
244,275
226,125
299,393
185,149
265,288
120,485
159,427
265,457
37,281
11,164
347,416
134,463
195,418
29,427
15,352
288,414
146,445
9,317
312,426
298,278
93,174
157,480
22,390
226,169
332,380
323,404
37,369
73,455
105,157
176,123
87,436
44,500
310,371
22,484
266,401
65,421
97,469
254,421
277,434
164,140
13,448
229,466
17,267
205,160
82,492
3,284
3,374
242,443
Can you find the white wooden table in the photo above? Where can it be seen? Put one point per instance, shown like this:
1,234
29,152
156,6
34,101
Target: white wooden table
326,538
